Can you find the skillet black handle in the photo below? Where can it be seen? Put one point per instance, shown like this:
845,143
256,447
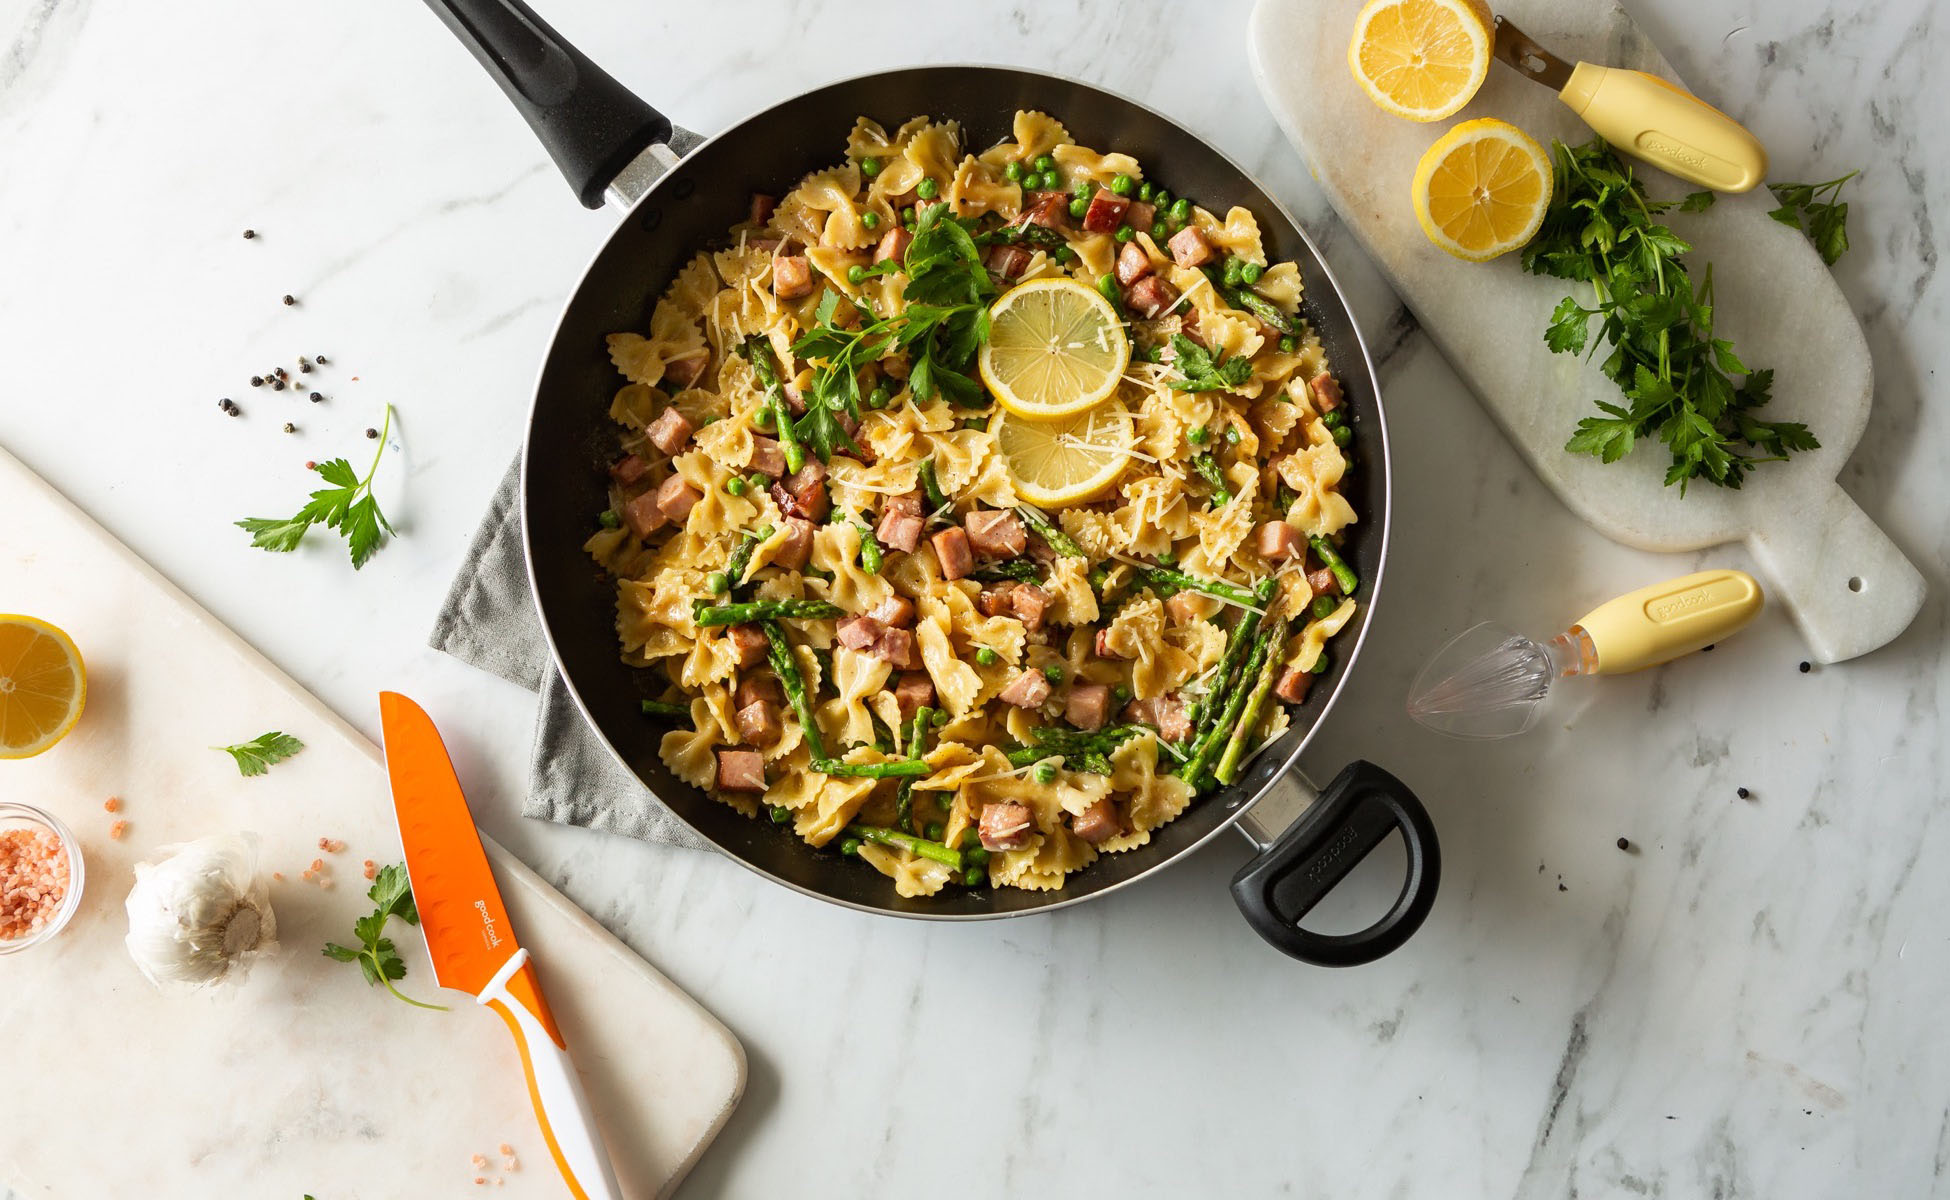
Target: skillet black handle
591,125
1295,872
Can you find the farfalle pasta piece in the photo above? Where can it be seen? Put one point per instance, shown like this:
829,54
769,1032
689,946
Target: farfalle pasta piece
836,549
1036,133
1281,284
1080,162
913,876
728,444
1222,530
695,285
956,684
1072,602
1313,474
1303,650
856,676
1237,235
935,148
1149,799
834,805
976,189
1090,529
1137,633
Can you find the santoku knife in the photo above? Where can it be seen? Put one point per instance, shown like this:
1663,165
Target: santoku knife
473,945
1644,116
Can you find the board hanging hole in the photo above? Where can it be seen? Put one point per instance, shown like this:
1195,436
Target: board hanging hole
1855,583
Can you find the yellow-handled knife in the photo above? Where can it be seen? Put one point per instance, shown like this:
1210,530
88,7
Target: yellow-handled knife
1644,116
473,945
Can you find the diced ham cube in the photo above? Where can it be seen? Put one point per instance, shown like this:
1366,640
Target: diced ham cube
1189,248
1051,210
1106,212
791,276
1150,297
1166,714
796,551
907,502
893,244
758,722
1141,215
685,372
1186,607
1007,261
1278,541
1293,685
858,633
1327,392
1005,825
1323,582
914,691
1103,645
670,431
900,531
995,533
644,515
895,610
895,646
1027,690
762,208
1133,264
628,470
794,400
676,496
1029,602
750,643
757,687
1087,706
995,601
768,458
803,493
1098,823
951,550
740,770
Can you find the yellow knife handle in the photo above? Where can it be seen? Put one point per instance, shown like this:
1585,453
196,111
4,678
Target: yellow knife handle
1659,623
1672,129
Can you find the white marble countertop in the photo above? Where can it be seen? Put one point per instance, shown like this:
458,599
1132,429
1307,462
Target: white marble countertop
1744,1004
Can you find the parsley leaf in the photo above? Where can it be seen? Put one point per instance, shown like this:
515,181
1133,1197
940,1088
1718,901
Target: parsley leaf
1825,222
1200,372
262,752
341,506
379,960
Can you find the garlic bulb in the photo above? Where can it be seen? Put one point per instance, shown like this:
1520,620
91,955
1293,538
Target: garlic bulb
198,914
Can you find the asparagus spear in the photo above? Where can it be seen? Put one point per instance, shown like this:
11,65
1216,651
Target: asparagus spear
931,487
741,555
898,768
907,841
1021,570
757,351
786,667
661,708
1242,733
1250,301
1208,470
1331,559
869,550
1179,580
765,610
1064,545
916,737
1208,743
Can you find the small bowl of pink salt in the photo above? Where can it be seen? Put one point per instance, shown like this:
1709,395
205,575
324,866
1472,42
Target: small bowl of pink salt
40,876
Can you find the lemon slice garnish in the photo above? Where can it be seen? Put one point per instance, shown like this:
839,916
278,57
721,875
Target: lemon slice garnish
1071,460
1482,189
1055,348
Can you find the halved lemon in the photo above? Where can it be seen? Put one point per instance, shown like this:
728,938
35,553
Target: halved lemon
1071,460
1482,189
1421,59
42,685
1055,349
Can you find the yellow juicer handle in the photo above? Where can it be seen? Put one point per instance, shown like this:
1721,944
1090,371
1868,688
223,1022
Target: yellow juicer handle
1672,129
1659,623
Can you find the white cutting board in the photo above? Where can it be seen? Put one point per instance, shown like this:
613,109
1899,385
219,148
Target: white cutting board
304,1080
1846,585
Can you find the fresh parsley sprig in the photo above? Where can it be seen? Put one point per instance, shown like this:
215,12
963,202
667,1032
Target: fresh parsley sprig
1199,371
262,752
347,506
1825,222
1677,378
392,896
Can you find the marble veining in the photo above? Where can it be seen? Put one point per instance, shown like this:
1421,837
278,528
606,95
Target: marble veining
1744,1004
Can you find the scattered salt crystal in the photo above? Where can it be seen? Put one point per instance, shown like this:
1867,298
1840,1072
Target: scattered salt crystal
118,829
112,804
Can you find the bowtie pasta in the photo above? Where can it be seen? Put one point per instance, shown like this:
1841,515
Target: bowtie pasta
849,618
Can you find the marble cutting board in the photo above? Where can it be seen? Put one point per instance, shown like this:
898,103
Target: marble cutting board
1847,587
302,1080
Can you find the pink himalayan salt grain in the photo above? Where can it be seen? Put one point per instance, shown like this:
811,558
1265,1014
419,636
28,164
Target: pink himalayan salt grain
118,829
505,1148
371,869
112,804
478,1161
33,880
330,845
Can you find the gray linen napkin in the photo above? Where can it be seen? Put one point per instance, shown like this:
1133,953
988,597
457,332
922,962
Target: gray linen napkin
488,620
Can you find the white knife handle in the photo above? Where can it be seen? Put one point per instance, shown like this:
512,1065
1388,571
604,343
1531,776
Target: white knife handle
568,1124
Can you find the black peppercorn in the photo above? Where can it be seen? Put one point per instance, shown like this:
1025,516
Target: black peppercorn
290,299
1624,844
234,411
1806,666
277,385
257,381
249,234
1743,793
304,368
225,403
372,433
321,360
281,373
315,397
290,428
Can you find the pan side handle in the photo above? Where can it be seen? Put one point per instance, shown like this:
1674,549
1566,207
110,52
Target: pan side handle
591,125
1309,843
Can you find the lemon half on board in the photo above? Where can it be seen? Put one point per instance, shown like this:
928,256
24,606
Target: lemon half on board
1055,349
1482,189
1421,59
1071,460
42,685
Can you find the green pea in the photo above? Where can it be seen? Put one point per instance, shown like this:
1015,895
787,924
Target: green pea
856,274
1065,255
1145,192
1289,344
1078,207
1342,435
756,481
1320,664
608,519
1334,420
977,856
1083,188
717,583
763,417
880,397
1045,773
1122,184
1158,231
870,219
1121,693
933,831
780,814
970,838
1098,578
1045,163
1162,199
1233,436
927,189
974,423
870,167
908,218
1231,273
1323,607
1167,557
940,718
1012,172
1180,210
850,847
1107,285
1053,672
985,657
735,485
1197,436
974,877
1250,273
1125,233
